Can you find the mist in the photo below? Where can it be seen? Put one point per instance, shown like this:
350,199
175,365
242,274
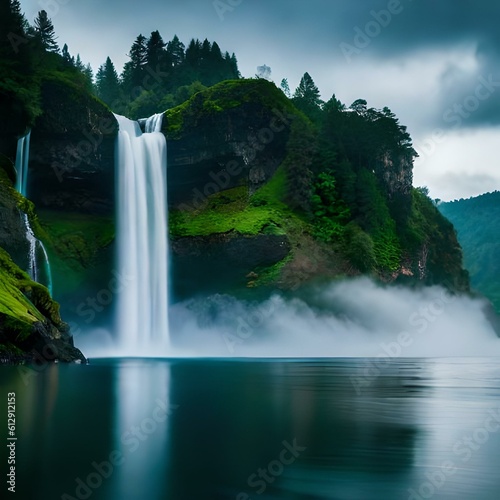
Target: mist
352,318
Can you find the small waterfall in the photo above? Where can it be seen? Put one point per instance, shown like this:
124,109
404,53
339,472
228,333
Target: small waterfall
141,163
22,162
32,267
37,249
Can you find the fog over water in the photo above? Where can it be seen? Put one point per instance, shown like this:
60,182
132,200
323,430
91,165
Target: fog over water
352,318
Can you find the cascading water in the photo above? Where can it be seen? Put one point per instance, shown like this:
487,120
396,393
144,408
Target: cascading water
37,248
32,267
142,320
22,161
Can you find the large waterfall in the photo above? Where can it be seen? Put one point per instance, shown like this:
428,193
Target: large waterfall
142,317
37,250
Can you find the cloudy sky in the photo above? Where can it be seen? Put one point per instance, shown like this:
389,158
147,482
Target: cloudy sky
435,63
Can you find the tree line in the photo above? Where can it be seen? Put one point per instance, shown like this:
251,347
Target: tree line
160,75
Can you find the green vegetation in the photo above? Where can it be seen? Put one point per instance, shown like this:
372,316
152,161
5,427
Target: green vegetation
29,55
220,98
329,211
74,242
346,181
162,75
477,221
17,312
232,210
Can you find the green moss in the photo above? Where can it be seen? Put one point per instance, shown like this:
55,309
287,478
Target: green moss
224,212
234,210
222,97
17,312
272,193
73,242
270,275
10,349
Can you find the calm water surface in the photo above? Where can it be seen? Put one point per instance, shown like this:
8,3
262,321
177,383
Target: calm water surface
210,429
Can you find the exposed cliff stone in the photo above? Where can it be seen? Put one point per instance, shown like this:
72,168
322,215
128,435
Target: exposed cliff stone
30,325
223,262
233,133
72,152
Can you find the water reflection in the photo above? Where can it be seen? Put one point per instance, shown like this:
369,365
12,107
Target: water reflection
141,427
191,429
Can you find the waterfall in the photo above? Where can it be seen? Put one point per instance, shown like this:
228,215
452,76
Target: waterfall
22,161
141,162
37,249
32,267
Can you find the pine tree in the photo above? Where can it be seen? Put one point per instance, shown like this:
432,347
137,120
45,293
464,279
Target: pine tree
215,53
156,54
175,49
67,58
193,53
107,83
88,73
285,87
307,91
234,67
45,33
206,49
307,98
79,64
134,70
13,26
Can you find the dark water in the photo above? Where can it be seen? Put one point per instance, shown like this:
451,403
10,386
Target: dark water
188,430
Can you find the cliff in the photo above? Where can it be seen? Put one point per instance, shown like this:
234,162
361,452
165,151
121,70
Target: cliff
260,197
31,328
249,171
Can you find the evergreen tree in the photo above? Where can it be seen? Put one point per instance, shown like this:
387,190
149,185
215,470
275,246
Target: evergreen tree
67,59
234,67
307,91
215,53
88,73
175,49
134,70
45,33
285,87
307,98
301,150
156,54
193,53
79,64
206,48
13,29
107,83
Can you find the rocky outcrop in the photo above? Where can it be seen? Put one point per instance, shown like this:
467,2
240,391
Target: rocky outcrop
30,324
223,262
72,152
233,133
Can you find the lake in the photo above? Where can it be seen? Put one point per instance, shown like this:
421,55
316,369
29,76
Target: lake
256,429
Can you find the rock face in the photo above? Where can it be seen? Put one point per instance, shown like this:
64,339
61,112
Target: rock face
30,325
223,261
12,229
72,152
233,133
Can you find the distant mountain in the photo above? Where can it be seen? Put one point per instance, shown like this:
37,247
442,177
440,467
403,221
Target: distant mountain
477,221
